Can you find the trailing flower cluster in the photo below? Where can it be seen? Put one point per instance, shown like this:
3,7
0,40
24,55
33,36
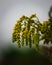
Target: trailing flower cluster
29,31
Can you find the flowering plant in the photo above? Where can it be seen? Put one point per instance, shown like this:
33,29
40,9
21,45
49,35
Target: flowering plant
30,31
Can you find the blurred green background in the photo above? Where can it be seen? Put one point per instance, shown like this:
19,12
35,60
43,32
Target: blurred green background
11,55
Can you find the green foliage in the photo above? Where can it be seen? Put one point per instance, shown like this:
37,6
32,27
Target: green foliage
46,30
30,31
